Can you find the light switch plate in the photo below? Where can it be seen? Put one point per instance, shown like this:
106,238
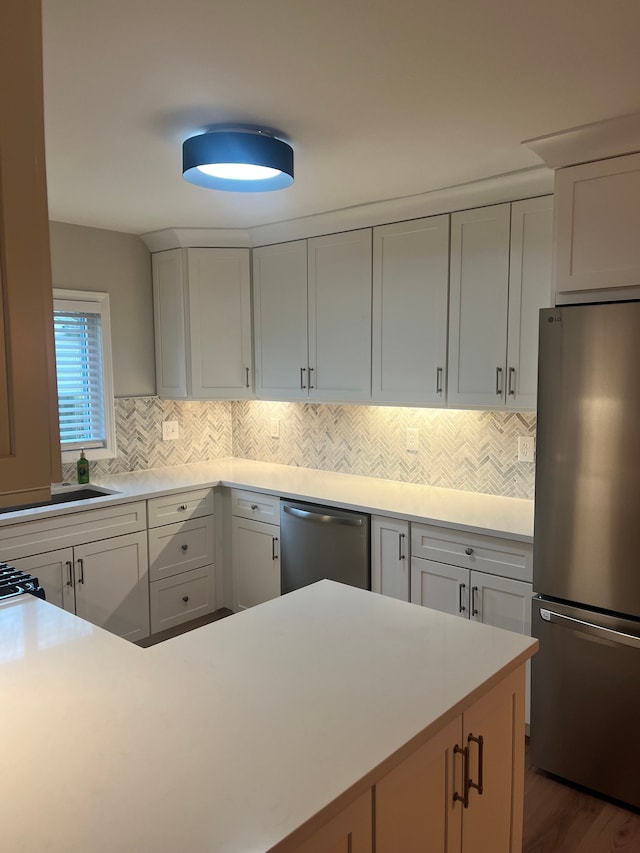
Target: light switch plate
170,430
275,428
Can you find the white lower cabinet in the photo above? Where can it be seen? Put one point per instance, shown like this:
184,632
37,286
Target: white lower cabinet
476,577
181,558
104,582
390,557
255,561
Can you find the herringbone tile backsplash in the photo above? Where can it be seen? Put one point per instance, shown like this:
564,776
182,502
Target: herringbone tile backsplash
473,451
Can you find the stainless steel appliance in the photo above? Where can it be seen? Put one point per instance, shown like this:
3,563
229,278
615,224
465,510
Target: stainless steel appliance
318,542
586,614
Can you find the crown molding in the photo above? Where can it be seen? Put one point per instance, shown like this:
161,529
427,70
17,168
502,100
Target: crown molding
503,188
597,141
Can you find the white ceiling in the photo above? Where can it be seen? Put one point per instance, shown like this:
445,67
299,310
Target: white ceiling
379,98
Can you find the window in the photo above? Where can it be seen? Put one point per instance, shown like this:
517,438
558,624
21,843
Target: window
83,366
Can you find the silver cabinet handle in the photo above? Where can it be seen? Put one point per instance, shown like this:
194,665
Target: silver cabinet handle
439,380
302,370
401,537
185,598
185,547
247,379
274,555
254,507
70,570
182,508
474,609
511,389
480,741
499,381
311,369
81,564
461,589
468,551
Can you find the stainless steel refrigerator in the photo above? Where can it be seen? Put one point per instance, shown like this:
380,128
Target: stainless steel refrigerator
585,715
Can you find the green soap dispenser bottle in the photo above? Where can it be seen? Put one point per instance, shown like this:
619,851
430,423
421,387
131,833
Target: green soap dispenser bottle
82,466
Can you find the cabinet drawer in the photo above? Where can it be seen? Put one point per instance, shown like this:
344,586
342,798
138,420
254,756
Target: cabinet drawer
179,507
27,538
255,505
176,548
180,598
473,551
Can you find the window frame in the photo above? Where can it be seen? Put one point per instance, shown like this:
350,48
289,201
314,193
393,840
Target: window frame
94,302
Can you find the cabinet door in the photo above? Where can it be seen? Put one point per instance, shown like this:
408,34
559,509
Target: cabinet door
597,225
29,436
479,298
220,323
415,810
493,820
54,571
339,271
529,290
440,586
280,320
501,602
390,557
169,323
410,301
112,588
255,560
349,832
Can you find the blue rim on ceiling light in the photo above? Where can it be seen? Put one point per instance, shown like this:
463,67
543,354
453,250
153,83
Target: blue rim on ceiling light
225,150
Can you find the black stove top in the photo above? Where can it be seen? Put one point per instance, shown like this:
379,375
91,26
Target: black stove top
14,582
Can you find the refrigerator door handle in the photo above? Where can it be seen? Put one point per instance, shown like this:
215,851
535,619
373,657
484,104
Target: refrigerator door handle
590,628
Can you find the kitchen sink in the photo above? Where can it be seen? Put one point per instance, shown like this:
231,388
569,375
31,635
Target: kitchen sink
63,497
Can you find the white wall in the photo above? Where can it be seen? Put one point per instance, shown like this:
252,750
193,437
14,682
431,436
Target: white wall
120,265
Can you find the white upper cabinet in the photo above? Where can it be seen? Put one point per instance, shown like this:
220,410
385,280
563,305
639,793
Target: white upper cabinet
530,289
339,286
312,310
280,320
410,302
597,226
500,278
202,307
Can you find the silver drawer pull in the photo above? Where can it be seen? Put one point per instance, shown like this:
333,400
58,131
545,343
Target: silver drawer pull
254,506
182,508
468,551
185,547
185,598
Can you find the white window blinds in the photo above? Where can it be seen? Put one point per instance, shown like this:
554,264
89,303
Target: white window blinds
85,396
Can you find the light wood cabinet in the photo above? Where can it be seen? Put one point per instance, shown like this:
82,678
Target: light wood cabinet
202,316
312,309
390,557
350,831
104,582
597,227
500,278
29,437
410,302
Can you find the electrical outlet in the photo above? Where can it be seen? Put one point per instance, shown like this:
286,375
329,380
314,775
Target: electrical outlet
413,436
275,428
170,430
526,448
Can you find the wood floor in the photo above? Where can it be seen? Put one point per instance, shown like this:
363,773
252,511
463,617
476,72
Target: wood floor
562,818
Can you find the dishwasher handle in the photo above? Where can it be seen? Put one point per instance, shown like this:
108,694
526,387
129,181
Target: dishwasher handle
320,518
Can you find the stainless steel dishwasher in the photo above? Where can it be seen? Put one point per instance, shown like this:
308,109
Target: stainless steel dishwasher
319,542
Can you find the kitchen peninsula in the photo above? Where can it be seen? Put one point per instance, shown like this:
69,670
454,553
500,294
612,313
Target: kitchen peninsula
272,730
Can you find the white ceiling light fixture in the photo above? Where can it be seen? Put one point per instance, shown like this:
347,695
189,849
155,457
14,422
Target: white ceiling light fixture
237,160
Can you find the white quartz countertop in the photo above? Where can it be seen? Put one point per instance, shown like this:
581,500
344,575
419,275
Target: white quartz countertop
229,737
470,511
